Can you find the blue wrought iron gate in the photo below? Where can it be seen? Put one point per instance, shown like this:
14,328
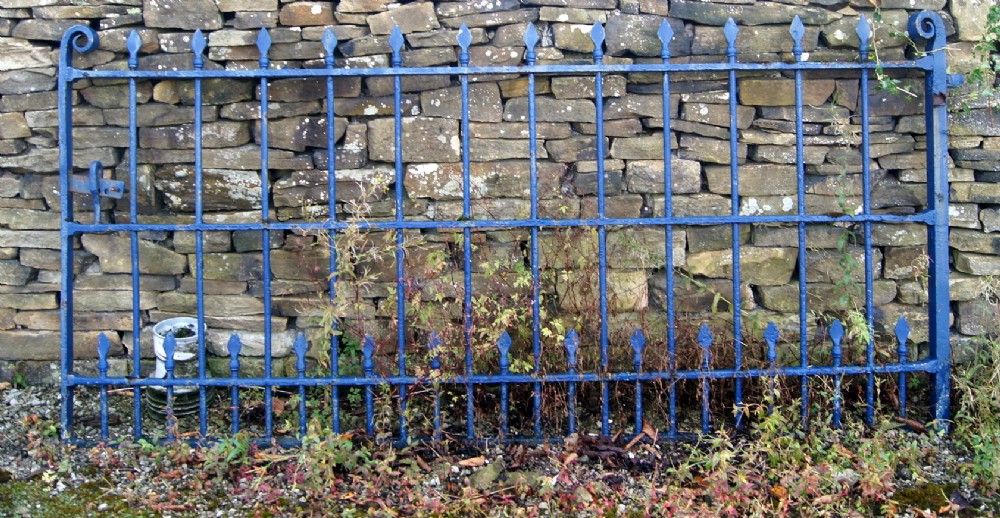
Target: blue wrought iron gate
925,26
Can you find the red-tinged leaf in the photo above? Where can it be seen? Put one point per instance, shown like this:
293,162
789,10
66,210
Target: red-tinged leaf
848,453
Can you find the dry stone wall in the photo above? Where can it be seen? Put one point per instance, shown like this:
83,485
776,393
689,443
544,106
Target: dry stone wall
567,172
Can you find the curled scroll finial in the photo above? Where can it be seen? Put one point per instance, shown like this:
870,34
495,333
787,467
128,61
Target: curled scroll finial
928,25
79,38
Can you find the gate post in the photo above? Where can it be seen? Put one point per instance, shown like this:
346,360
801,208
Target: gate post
81,39
928,26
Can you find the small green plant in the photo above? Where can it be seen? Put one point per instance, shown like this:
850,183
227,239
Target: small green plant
18,381
229,453
885,81
324,455
983,76
977,410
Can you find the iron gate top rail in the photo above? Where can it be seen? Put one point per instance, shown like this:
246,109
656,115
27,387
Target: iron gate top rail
923,26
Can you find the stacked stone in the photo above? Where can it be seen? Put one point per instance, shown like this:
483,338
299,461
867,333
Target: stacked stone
499,152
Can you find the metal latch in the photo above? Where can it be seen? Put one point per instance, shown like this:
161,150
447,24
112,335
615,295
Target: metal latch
94,184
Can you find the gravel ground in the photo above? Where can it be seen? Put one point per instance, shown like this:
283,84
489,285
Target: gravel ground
586,476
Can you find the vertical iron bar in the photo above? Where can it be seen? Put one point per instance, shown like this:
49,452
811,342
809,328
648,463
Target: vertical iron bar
198,46
71,41
928,25
503,345
103,346
638,341
329,45
771,338
572,345
301,346
263,44
396,42
433,347
866,210
463,60
169,348
902,334
368,366
798,31
96,172
939,297
234,347
837,336
531,39
666,34
134,43
939,301
597,34
705,341
731,32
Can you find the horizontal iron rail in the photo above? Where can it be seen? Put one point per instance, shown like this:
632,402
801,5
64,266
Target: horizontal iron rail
295,442
924,217
496,379
299,73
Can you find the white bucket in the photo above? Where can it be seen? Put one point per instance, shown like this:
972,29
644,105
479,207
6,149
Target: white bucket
185,351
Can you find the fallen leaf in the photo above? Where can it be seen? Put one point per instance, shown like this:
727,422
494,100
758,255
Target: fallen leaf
571,441
474,462
825,500
917,426
635,440
570,458
952,507
647,428
271,457
848,453
652,451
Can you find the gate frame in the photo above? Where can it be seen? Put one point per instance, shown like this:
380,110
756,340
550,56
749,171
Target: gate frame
925,25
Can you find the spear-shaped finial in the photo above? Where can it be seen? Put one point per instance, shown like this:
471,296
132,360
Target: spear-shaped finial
133,44
329,41
264,46
198,47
